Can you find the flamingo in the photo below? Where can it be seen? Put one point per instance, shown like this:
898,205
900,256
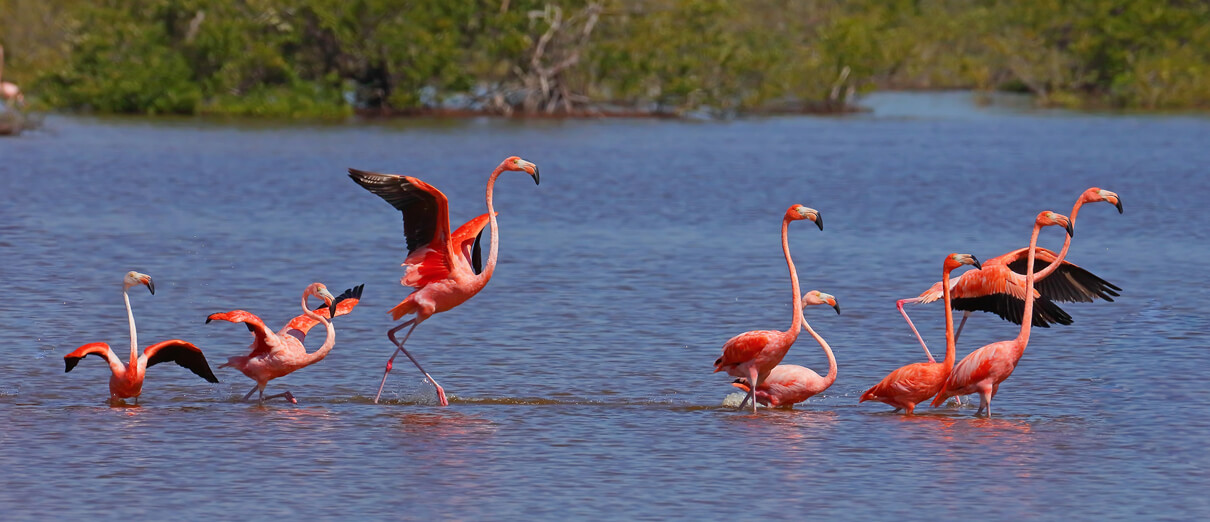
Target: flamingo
909,385
9,90
279,354
788,384
1000,286
444,269
754,354
984,369
127,379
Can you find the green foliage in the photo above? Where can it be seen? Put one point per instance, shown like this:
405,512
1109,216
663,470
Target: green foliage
323,58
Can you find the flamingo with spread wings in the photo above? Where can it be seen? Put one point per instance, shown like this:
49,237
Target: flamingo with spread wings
1000,286
279,354
127,379
444,269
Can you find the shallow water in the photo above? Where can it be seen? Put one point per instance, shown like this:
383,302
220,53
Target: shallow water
580,378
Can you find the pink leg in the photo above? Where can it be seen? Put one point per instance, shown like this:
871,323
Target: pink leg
899,305
753,373
288,396
399,348
962,323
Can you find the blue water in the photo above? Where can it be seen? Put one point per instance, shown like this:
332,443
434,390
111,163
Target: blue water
580,377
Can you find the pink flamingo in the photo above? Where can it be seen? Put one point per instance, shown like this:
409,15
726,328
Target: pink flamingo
127,379
443,268
984,369
279,354
754,354
1000,286
8,90
788,384
910,385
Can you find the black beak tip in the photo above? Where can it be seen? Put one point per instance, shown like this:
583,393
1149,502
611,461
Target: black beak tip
1071,231
976,263
151,287
208,320
837,307
537,179
1119,205
331,312
819,221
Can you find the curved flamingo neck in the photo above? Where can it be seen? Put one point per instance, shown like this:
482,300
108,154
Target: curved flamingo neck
329,341
1027,317
134,336
831,376
950,340
785,247
1075,211
494,250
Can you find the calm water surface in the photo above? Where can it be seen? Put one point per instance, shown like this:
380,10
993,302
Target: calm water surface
580,378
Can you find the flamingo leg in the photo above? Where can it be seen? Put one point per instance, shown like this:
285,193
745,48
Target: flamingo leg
287,395
399,348
899,305
744,404
753,373
250,392
962,323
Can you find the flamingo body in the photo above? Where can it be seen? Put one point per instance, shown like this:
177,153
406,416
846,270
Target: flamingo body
788,384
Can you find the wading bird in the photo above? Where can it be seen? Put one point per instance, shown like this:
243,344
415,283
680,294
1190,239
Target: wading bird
445,269
9,92
910,385
752,355
788,384
1000,286
279,354
984,369
127,379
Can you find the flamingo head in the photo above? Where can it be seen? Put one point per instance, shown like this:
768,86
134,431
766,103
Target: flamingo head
798,212
956,260
516,163
135,279
1095,194
1048,218
321,291
815,297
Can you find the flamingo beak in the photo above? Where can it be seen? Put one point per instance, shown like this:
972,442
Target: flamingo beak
1071,231
533,173
741,384
976,264
150,285
819,221
1117,202
835,305
328,300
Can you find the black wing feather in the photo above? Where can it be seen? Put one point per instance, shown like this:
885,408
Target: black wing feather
180,354
71,362
1069,283
352,293
477,255
1009,308
419,207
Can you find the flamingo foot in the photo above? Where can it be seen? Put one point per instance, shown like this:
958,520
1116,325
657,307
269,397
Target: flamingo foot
290,397
440,394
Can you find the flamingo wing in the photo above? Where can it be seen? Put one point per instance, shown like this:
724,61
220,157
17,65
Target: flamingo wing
1012,308
462,239
741,349
182,353
426,222
1068,283
99,349
344,304
264,338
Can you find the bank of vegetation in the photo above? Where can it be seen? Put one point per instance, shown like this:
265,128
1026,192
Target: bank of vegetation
306,58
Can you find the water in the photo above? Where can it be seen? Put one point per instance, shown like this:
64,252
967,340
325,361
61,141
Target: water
580,378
